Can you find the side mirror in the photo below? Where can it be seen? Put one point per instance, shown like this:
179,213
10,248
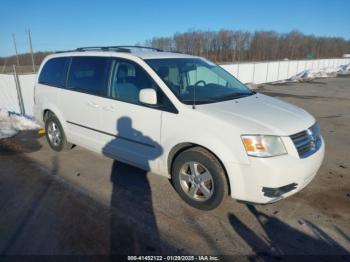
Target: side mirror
148,96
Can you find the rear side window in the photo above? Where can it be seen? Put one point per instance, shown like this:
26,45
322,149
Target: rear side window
54,72
88,74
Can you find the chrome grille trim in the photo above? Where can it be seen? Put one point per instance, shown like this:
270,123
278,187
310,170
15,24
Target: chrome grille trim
307,142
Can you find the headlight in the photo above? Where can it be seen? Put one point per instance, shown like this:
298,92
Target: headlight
263,146
316,131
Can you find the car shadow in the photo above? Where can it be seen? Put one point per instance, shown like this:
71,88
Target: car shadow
282,239
21,143
133,226
24,190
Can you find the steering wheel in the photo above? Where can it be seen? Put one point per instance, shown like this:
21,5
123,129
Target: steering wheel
200,81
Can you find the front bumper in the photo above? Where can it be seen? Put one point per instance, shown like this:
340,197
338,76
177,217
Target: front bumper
266,180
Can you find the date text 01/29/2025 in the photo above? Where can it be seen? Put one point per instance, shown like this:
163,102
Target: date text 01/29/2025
173,258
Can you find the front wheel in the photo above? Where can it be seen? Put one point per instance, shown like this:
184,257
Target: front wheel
199,178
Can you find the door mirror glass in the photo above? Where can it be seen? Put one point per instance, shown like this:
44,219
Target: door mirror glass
148,96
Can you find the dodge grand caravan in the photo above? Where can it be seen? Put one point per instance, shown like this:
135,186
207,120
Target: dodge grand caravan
180,116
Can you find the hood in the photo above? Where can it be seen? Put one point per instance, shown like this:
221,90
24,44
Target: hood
260,114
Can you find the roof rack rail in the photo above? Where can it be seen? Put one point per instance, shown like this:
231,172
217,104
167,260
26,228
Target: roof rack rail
102,48
139,47
63,51
121,48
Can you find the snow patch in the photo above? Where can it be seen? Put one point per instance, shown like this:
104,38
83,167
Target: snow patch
11,123
345,69
311,74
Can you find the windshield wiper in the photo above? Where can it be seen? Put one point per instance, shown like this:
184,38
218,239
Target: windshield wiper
198,101
232,96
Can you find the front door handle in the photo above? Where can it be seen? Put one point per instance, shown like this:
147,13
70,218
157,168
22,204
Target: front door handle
93,104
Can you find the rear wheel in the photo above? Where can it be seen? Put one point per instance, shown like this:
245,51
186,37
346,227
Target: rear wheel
199,178
55,135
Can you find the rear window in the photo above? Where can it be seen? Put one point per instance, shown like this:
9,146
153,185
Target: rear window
89,74
54,72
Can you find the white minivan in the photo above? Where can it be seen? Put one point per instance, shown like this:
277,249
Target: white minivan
180,116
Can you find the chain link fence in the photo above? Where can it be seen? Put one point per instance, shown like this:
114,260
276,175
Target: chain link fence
17,92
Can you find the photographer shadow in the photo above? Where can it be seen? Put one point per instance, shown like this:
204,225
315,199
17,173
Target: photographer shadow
133,226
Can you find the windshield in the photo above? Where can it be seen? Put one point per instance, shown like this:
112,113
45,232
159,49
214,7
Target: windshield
190,78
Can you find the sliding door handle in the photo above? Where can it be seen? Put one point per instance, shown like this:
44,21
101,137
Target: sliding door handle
109,108
93,104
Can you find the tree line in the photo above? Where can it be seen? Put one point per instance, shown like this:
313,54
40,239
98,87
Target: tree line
231,45
24,59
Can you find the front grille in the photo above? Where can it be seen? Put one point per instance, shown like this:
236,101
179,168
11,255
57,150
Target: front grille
308,141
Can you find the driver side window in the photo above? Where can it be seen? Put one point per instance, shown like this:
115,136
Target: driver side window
206,75
127,79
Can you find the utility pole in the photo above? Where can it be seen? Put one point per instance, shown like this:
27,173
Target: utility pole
19,91
31,49
14,43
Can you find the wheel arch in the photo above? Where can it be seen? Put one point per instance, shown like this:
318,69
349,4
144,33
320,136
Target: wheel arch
179,148
47,110
46,114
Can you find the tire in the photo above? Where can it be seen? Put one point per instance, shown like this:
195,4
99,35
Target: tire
55,135
199,178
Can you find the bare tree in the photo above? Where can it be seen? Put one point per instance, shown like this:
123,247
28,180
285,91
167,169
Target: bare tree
229,45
